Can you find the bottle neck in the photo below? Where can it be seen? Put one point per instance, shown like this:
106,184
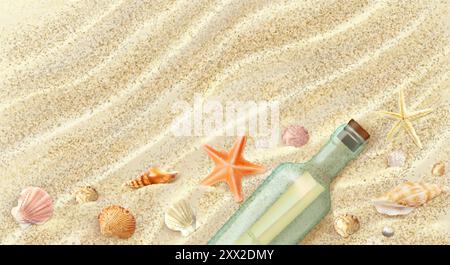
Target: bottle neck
344,145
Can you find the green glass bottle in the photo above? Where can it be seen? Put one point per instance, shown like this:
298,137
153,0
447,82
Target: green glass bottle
294,197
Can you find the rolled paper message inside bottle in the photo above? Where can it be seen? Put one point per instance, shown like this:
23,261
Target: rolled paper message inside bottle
294,197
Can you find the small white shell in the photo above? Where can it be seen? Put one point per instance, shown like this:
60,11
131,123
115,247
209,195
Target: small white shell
346,225
180,217
86,194
438,169
396,159
34,206
388,231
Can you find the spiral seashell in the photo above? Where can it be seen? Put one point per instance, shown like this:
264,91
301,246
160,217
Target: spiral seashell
402,199
152,176
86,194
438,169
346,225
116,221
180,217
34,206
295,135
396,159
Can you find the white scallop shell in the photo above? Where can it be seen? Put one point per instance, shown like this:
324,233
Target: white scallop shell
181,217
34,206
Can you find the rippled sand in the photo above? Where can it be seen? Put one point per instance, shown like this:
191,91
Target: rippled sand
87,87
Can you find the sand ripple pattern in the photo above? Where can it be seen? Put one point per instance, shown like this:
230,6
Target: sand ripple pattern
86,93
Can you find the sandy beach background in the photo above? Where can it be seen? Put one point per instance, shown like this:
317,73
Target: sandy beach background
86,90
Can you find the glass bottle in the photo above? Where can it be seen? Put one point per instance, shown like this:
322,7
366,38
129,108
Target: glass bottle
294,197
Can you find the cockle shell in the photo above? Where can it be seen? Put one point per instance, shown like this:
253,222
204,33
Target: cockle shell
438,169
346,225
396,159
34,206
402,199
86,194
181,217
295,135
116,221
153,175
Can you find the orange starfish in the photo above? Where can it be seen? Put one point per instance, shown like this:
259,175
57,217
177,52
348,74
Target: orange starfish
231,167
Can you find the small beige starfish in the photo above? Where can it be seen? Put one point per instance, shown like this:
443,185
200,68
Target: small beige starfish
405,118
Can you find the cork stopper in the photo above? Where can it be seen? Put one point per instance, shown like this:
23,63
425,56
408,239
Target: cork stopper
358,129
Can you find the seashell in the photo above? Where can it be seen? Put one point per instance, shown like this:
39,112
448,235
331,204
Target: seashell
86,194
396,159
402,199
346,225
34,206
438,169
152,176
116,221
180,217
387,231
295,135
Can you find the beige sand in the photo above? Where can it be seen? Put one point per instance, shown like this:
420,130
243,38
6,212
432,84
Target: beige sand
86,91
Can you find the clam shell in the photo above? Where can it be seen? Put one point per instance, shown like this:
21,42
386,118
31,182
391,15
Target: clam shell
181,217
86,194
295,135
34,206
438,169
116,221
346,225
402,199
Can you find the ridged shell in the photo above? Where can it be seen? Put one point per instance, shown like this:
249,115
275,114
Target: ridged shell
402,199
86,194
346,225
181,217
295,135
152,176
116,221
34,206
438,169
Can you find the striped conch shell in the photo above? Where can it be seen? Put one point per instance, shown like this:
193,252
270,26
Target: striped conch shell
34,206
402,199
153,175
116,221
180,217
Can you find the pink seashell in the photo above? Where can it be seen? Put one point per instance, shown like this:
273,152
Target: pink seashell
295,135
396,159
34,206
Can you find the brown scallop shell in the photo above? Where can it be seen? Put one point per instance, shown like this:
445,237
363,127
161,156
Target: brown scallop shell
116,221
